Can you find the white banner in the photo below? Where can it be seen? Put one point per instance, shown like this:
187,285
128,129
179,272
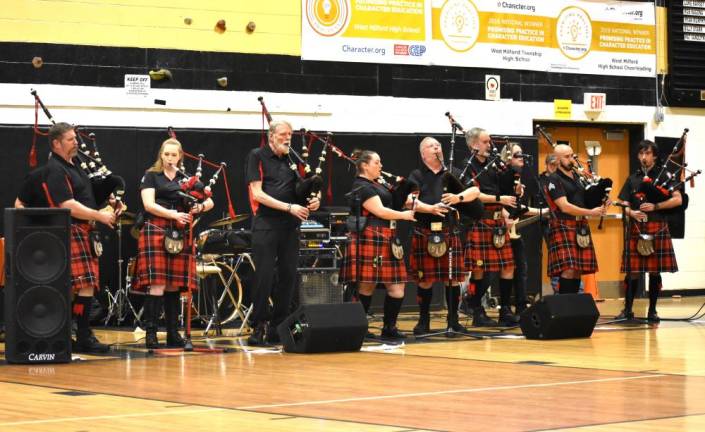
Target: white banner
606,38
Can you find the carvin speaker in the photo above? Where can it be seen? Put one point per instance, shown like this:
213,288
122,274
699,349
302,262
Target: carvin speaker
318,328
38,286
560,316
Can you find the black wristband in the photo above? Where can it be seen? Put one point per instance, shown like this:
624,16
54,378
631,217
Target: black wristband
460,197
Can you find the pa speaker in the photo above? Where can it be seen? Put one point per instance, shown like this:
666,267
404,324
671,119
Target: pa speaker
38,286
318,328
560,316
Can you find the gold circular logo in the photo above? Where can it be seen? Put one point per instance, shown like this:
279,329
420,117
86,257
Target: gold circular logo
459,24
327,17
574,32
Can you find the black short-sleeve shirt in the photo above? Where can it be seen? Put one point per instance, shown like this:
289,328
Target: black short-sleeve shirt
430,191
631,186
278,181
67,181
166,191
366,189
560,185
488,178
32,193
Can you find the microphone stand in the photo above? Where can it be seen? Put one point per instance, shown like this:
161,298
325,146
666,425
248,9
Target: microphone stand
541,197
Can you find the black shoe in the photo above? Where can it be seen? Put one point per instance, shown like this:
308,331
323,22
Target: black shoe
90,345
507,318
456,328
392,333
480,318
258,336
423,326
625,315
653,317
174,339
273,335
150,339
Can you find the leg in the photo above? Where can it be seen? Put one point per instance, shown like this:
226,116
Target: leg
152,308
264,257
631,283
655,285
287,263
520,276
569,283
479,316
392,306
424,294
86,342
506,280
172,300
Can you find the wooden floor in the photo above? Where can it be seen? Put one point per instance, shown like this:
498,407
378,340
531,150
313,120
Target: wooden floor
626,377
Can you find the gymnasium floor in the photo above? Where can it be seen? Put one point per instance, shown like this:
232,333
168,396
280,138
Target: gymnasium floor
626,377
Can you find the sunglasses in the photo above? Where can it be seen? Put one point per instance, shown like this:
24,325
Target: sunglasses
518,156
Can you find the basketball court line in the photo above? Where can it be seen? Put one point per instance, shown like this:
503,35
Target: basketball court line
258,408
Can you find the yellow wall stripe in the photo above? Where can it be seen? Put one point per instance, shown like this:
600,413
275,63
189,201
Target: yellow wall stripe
156,24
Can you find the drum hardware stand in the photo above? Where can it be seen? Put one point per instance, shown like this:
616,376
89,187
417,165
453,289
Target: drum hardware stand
118,302
214,319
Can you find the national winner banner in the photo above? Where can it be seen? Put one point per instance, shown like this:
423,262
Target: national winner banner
606,38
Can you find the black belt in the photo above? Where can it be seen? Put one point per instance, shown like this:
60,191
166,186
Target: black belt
492,214
384,223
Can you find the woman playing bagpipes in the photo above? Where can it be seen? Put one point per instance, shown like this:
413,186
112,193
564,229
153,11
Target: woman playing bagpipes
165,264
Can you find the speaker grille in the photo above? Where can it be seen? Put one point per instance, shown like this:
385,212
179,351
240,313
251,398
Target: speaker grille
42,311
41,257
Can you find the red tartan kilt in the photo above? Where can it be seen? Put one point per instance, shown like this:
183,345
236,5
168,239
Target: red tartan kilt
480,253
563,250
425,268
155,266
662,260
377,265
84,266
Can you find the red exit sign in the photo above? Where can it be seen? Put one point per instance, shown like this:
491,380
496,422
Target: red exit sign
595,102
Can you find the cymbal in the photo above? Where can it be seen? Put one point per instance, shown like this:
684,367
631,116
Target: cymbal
229,221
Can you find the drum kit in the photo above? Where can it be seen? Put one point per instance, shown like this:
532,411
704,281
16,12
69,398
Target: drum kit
222,257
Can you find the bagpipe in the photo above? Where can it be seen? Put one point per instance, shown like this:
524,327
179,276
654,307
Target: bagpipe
454,184
400,187
192,190
596,189
104,183
670,178
309,182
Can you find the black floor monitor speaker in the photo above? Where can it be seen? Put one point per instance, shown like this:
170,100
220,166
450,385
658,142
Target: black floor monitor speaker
318,328
38,286
561,316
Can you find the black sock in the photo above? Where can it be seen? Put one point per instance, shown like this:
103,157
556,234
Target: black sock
568,286
452,298
423,298
81,312
366,301
392,306
630,287
654,290
505,292
481,286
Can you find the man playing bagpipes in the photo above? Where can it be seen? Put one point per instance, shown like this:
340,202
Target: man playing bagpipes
649,248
